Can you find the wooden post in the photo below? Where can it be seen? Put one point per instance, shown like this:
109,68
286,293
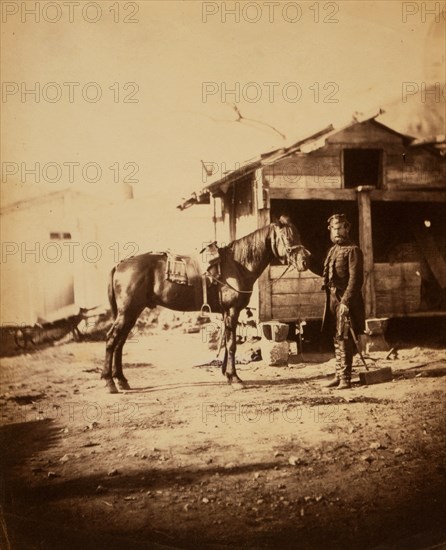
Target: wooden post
232,213
374,337
262,211
366,245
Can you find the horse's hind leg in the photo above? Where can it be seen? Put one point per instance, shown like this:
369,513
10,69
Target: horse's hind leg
116,337
117,361
110,347
117,367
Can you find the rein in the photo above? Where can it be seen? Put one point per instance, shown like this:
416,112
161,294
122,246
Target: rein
270,284
222,283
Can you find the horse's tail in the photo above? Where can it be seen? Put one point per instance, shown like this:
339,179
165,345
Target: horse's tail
111,294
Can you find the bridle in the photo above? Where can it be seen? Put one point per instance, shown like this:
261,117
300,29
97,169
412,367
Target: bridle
290,257
290,249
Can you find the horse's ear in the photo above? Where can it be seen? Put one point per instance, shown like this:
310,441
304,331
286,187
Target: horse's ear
284,220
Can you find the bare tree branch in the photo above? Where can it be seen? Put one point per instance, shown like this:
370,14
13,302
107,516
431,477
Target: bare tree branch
254,122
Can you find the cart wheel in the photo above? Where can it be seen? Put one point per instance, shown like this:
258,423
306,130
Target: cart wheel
77,336
20,339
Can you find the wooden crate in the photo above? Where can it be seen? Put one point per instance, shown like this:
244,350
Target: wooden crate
297,296
397,288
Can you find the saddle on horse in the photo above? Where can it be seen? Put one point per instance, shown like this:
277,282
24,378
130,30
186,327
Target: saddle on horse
199,272
183,269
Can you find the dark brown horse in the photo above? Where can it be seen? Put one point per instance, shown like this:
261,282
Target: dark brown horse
141,282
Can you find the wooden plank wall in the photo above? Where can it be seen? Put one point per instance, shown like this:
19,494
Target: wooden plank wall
403,166
296,296
368,132
318,170
319,175
406,167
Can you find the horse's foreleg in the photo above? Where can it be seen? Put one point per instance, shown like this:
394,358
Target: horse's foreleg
231,342
224,344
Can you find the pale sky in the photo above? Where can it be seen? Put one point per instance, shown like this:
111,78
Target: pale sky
167,56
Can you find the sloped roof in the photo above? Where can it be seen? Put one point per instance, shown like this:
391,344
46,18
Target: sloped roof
306,145
29,201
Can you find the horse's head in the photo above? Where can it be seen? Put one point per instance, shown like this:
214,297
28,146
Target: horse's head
286,244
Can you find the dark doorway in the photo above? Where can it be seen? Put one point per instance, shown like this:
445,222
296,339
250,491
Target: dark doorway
311,219
362,167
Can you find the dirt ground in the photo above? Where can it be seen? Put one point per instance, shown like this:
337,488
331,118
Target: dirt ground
185,461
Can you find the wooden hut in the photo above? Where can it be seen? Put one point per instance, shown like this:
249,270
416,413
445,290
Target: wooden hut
392,188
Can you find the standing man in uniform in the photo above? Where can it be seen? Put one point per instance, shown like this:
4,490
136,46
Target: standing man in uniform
343,276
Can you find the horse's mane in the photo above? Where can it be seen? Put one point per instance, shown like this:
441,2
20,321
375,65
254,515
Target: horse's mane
250,248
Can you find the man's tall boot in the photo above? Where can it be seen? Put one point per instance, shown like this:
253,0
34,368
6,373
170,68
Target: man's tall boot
334,382
346,361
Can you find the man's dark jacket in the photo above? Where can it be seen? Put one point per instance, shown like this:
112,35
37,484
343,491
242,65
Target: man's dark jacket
344,270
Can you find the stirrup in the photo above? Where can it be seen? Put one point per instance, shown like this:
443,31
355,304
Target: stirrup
205,312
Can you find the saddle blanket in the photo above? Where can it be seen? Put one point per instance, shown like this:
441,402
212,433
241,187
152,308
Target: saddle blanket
183,270
176,270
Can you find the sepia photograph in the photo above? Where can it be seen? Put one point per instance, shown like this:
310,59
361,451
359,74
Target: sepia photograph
223,275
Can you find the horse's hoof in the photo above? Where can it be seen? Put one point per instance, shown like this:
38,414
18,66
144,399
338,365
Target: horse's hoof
110,385
235,380
124,385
